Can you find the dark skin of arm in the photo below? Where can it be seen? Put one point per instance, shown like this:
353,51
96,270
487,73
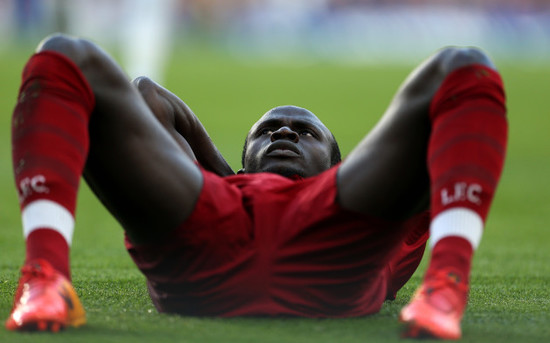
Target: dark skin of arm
183,125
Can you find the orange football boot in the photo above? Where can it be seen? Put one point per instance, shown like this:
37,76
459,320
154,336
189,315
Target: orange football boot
436,308
44,301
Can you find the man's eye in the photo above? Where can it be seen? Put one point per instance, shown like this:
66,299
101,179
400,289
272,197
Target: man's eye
306,133
266,131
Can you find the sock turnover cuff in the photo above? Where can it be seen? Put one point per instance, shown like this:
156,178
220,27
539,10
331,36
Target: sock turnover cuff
458,221
47,214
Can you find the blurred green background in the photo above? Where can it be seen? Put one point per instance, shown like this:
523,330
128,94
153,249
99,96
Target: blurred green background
510,297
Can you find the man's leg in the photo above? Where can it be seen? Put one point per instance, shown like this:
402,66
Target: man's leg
50,143
132,163
450,112
465,159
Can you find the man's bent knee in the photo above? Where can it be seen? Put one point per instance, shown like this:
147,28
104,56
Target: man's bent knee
76,49
452,58
96,65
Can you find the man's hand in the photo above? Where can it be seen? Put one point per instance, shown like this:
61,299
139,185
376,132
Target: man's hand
183,125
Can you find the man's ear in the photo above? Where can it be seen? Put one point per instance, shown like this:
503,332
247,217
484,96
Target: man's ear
240,171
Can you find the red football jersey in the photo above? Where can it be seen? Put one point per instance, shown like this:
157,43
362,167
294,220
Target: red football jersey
263,244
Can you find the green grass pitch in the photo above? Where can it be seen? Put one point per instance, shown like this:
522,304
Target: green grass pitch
510,291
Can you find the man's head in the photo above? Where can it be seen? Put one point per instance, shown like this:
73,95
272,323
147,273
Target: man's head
289,140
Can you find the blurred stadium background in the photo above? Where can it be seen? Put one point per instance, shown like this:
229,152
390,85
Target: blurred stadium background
231,60
144,32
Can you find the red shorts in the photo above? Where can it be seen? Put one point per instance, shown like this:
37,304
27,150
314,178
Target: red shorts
262,244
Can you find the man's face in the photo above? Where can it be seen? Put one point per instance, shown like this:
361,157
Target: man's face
288,140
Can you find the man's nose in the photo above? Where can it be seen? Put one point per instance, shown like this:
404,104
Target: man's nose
285,132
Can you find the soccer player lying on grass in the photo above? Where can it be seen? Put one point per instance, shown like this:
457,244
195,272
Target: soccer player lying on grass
296,232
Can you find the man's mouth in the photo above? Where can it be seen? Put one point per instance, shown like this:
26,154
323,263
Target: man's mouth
283,148
282,153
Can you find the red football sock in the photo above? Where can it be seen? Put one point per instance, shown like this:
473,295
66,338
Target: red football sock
51,246
50,145
465,159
